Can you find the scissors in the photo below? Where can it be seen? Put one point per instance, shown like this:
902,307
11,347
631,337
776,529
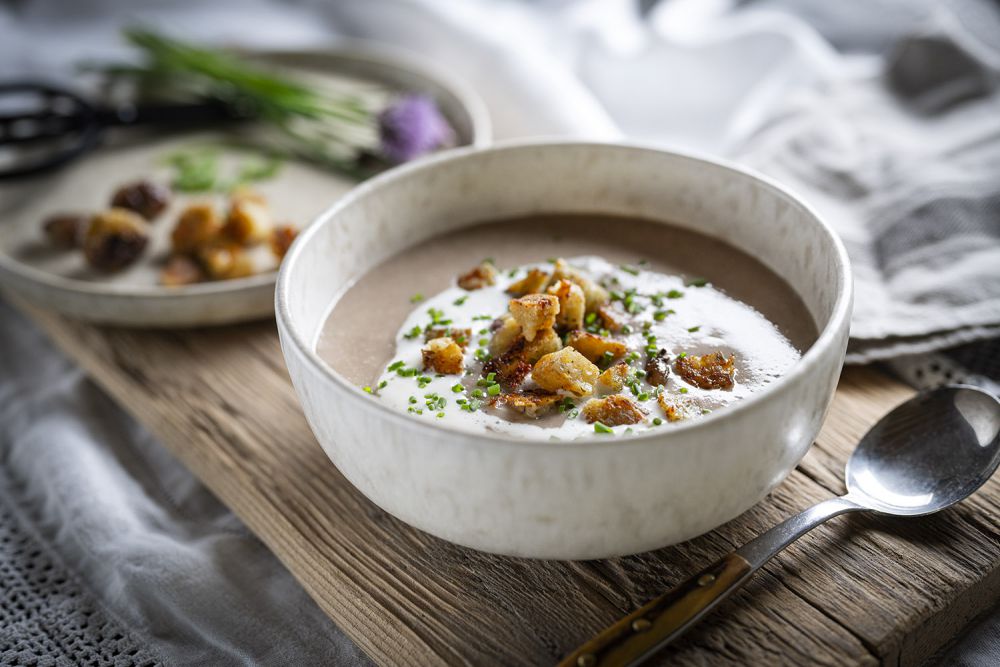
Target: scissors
52,126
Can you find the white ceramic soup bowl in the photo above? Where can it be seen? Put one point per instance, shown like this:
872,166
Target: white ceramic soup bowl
596,497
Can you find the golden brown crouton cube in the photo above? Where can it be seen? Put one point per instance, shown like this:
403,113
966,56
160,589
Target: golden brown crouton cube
594,295
505,336
225,261
281,240
533,283
566,370
181,270
593,346
443,355
510,368
571,304
530,403
197,226
612,318
675,408
614,410
460,336
708,371
482,276
248,222
613,379
534,312
546,341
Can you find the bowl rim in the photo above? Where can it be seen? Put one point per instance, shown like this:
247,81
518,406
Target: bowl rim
347,49
827,337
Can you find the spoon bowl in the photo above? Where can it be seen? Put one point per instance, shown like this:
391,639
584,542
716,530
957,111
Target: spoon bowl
928,454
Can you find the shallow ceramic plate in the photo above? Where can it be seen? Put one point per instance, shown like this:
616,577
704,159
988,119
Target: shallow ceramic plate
63,282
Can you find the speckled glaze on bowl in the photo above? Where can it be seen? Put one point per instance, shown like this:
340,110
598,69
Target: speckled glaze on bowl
591,498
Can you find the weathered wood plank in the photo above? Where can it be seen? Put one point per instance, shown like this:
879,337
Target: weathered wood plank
854,592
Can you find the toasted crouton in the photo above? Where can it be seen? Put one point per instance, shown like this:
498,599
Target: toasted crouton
594,295
197,227
708,371
534,313
248,222
510,368
593,346
546,341
181,270
443,355
675,408
566,370
613,379
533,283
612,318
225,261
571,304
531,403
460,336
281,240
505,336
614,410
482,276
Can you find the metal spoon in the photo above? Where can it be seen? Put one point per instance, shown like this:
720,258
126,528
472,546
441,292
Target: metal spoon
927,454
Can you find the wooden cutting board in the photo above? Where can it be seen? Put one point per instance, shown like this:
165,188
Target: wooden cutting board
857,591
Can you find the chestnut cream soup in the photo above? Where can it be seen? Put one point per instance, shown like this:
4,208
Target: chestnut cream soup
559,326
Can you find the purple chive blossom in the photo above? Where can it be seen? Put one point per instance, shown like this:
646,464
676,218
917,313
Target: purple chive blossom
411,127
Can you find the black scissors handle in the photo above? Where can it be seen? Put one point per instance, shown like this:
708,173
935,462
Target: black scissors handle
60,125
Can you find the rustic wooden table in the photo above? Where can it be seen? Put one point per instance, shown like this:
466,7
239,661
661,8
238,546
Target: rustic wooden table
856,591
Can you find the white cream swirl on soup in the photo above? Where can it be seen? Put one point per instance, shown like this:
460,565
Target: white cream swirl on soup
569,348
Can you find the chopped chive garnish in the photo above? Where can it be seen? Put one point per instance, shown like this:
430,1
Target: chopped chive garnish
626,329
483,317
629,269
643,262
482,355
493,390
460,300
683,390
682,355
698,282
440,415
705,412
413,333
417,298
674,294
458,388
477,393
491,377
643,396
660,315
693,329
601,428
413,399
382,384
396,365
483,342
657,421
590,318
366,389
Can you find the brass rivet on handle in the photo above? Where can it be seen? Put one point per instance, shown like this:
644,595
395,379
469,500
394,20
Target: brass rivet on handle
641,625
706,579
586,660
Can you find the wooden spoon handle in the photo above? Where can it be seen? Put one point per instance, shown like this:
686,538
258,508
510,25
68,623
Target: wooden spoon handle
660,621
